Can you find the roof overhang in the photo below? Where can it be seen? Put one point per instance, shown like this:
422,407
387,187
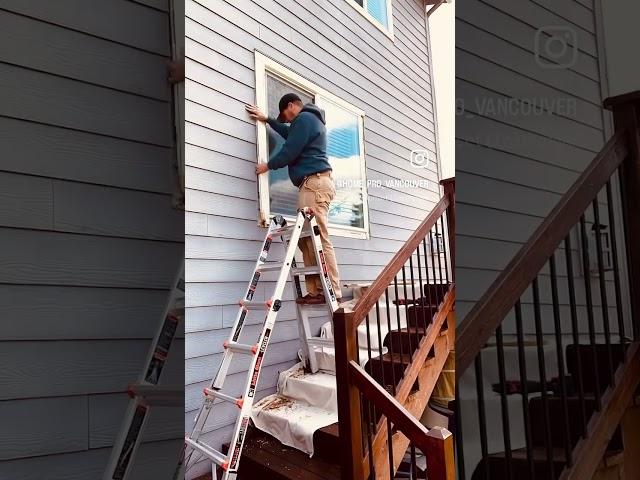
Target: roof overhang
435,4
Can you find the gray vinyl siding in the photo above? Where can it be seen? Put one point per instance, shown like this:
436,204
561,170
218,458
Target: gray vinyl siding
511,169
335,47
89,243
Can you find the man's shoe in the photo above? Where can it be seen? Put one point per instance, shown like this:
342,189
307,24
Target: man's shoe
311,299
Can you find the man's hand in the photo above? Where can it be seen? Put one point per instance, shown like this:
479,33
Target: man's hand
261,168
255,113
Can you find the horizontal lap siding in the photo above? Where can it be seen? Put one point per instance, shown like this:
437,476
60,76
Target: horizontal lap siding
335,47
88,239
513,167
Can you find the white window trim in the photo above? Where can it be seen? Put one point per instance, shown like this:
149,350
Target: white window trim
264,65
363,11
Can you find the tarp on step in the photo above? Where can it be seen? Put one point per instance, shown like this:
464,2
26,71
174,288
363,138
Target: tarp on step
304,403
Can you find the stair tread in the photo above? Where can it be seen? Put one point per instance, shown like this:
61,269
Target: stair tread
540,454
278,415
263,451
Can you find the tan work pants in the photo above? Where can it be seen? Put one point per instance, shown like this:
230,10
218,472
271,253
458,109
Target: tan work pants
316,192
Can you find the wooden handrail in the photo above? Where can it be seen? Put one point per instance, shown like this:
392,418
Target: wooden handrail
389,406
489,312
589,451
353,380
379,286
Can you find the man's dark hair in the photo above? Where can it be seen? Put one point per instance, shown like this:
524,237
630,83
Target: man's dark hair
286,100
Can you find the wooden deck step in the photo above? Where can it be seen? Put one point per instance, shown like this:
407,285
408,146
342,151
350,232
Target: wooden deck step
405,340
557,422
265,457
326,443
497,465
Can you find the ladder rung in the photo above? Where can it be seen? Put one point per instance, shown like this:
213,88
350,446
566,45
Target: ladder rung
320,342
157,395
304,233
212,453
260,305
236,347
283,230
270,267
325,307
227,398
306,270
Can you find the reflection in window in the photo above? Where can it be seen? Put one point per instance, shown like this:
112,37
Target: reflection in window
378,9
283,194
343,149
344,135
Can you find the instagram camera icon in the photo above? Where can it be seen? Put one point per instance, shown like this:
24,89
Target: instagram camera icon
556,47
419,158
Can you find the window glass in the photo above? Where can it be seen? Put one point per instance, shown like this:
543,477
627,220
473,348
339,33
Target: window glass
343,150
283,194
378,10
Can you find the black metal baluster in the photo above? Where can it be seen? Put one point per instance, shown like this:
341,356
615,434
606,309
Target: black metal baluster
422,298
457,434
560,355
482,417
395,286
603,290
406,313
506,434
543,375
416,328
369,362
369,440
414,466
575,329
390,450
436,285
393,372
445,241
427,286
525,389
442,284
587,291
616,266
380,356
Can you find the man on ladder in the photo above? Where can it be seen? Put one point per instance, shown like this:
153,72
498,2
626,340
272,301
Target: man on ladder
305,153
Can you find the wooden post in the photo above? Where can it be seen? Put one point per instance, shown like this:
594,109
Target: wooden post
349,416
449,185
626,115
630,426
440,456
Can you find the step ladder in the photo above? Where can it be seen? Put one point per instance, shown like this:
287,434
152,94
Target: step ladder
146,392
304,226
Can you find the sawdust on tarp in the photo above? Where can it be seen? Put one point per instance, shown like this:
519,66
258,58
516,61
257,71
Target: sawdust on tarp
300,373
277,403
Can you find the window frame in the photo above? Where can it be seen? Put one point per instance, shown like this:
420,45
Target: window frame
265,65
362,9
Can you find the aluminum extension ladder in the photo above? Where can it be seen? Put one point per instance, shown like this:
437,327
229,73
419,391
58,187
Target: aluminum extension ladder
146,392
305,226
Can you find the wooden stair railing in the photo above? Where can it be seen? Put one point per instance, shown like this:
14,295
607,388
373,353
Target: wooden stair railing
520,282
372,414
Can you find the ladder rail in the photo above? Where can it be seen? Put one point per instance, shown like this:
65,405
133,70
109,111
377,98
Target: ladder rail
237,441
288,270
136,417
218,379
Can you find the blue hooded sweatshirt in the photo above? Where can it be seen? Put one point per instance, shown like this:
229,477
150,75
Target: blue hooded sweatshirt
305,148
